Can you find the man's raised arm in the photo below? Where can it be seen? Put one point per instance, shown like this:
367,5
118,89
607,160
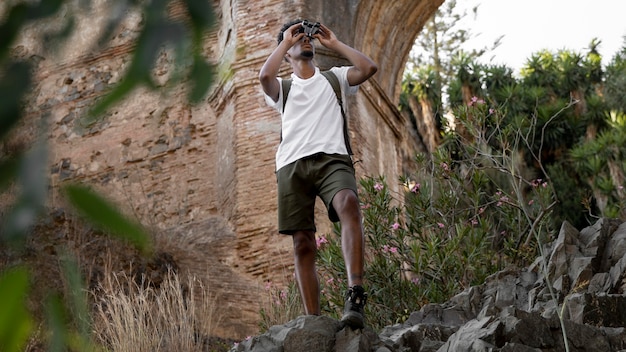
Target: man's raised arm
270,68
363,67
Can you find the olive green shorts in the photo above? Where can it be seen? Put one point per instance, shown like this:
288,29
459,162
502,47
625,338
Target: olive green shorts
300,182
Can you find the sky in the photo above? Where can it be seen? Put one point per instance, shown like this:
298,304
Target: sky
529,26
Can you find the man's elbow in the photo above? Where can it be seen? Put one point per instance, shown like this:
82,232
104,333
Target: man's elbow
373,68
264,77
369,69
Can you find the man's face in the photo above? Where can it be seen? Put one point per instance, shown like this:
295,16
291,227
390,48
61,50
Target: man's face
304,48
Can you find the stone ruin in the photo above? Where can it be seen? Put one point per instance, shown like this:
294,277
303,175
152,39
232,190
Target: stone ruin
580,279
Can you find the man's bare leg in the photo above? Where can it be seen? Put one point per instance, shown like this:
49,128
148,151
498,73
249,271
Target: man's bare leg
305,249
346,204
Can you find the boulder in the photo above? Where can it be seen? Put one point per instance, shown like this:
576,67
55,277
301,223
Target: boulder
572,298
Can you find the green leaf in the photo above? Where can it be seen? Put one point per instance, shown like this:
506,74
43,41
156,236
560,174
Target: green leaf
57,321
202,77
201,13
104,215
34,189
19,16
8,171
14,84
15,322
18,221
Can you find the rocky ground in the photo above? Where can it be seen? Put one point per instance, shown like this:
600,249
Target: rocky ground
580,277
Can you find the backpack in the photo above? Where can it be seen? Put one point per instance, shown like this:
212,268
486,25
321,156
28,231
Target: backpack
334,82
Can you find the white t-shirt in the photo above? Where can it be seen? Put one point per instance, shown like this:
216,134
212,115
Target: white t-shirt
311,121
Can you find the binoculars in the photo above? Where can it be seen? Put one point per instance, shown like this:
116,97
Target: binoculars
309,28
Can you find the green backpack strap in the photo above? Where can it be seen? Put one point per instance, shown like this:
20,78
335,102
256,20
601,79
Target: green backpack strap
286,85
334,82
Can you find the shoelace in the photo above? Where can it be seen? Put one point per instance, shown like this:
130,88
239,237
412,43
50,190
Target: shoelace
358,298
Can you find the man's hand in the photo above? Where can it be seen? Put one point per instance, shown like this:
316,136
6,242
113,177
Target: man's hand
363,67
326,37
269,71
293,34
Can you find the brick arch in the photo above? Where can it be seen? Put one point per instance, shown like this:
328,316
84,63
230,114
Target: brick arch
384,143
172,164
386,30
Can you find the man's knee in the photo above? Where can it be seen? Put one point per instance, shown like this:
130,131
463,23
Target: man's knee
346,201
304,243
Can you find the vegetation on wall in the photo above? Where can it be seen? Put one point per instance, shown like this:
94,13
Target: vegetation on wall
517,157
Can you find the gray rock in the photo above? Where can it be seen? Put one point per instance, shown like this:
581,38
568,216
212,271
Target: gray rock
582,277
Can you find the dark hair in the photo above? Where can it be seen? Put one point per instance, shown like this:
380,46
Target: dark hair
285,27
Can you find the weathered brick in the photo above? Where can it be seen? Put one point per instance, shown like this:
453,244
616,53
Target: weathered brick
174,165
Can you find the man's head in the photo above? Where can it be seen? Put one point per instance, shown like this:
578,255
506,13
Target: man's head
281,34
307,27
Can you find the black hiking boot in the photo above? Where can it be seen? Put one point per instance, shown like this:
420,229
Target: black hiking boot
353,314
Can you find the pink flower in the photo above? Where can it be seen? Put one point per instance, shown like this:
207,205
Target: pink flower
445,167
378,186
390,249
320,241
441,225
530,202
415,280
475,100
395,226
415,188
268,285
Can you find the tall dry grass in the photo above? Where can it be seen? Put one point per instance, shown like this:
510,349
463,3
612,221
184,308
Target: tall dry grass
279,305
177,316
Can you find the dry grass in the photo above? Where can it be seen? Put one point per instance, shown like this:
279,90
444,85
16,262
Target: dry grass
175,309
179,315
280,305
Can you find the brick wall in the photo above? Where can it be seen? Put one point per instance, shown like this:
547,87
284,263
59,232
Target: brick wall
173,165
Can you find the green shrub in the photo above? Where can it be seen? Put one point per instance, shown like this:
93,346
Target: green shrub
464,215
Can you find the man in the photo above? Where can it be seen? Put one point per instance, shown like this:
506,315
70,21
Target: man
313,158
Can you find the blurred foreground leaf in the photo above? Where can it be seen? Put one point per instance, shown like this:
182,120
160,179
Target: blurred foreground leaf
15,322
204,74
29,172
14,83
105,216
8,171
